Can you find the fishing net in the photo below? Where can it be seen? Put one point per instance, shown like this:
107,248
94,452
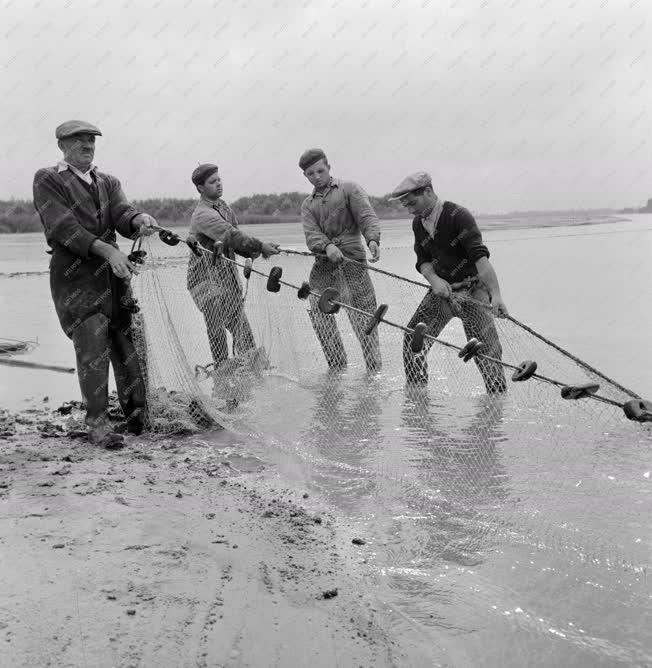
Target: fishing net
462,442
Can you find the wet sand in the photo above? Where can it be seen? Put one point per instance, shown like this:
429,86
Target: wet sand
171,552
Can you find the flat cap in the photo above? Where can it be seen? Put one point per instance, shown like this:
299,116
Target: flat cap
201,173
410,183
310,157
70,128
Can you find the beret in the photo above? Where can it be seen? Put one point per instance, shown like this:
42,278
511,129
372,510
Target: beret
310,157
201,173
410,183
70,128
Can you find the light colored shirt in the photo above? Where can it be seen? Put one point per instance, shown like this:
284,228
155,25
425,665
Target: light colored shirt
84,176
341,215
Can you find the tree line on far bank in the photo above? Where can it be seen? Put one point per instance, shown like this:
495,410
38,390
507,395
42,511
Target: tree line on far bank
20,216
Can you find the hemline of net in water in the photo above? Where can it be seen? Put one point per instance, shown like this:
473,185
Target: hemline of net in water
524,458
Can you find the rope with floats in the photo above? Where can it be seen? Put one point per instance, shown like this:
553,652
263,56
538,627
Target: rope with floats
636,409
464,285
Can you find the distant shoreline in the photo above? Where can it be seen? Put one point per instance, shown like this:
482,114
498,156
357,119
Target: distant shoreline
19,216
512,221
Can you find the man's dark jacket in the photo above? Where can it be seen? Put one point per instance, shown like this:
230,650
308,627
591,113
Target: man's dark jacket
74,215
455,247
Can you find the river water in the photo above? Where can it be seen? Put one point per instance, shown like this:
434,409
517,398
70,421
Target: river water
487,545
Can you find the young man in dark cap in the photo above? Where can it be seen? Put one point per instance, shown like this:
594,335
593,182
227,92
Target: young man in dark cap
216,289
449,250
336,217
81,210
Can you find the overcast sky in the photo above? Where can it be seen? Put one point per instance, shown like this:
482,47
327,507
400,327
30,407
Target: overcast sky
512,104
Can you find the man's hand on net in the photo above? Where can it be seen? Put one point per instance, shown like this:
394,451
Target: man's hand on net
147,224
440,287
269,248
374,249
334,254
498,306
120,265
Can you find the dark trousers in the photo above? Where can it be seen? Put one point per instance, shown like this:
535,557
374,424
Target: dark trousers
99,342
222,313
477,322
354,278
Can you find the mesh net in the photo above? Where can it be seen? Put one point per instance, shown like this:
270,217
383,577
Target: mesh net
315,386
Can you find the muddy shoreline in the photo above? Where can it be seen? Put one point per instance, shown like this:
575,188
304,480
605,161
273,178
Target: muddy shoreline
180,551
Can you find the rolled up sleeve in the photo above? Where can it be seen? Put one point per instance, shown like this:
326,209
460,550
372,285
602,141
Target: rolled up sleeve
469,236
364,214
218,229
58,217
316,240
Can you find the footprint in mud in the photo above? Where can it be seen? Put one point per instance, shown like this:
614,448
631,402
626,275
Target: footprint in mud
462,557
245,463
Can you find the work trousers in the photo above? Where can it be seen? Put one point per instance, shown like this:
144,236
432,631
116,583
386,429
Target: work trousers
353,278
98,342
226,313
478,323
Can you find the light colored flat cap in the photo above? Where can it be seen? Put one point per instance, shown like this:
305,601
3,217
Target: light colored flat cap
410,183
70,128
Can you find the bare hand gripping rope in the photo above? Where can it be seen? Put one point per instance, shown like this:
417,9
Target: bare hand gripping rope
635,409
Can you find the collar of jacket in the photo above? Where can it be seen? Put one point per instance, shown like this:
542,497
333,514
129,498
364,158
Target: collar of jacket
213,203
63,165
333,183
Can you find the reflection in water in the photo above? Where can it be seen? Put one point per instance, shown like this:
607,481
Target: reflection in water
457,452
432,483
430,460
345,429
453,452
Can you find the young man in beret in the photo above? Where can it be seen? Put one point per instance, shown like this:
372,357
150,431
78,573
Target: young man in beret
449,250
81,210
216,289
336,218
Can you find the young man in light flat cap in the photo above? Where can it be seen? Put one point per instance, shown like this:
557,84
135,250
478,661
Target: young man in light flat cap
336,218
81,210
449,249
216,289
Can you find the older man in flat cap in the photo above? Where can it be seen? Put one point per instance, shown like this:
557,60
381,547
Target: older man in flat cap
336,218
450,251
81,210
215,288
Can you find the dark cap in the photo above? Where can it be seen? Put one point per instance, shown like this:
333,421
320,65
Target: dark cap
310,157
201,173
409,183
70,128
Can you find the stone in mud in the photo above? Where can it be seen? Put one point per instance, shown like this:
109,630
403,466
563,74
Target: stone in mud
329,593
359,541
